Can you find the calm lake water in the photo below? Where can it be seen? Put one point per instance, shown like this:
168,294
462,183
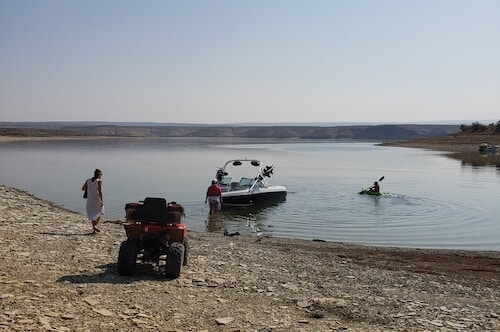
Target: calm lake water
433,201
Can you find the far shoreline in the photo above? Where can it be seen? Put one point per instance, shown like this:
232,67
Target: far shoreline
460,142
449,143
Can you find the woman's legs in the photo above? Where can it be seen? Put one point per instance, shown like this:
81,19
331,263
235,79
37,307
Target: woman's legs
95,224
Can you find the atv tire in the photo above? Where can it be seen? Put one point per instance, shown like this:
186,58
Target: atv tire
175,259
127,257
187,250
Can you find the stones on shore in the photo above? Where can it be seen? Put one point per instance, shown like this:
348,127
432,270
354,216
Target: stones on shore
55,277
224,320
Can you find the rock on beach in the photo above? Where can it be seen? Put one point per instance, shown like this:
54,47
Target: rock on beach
56,276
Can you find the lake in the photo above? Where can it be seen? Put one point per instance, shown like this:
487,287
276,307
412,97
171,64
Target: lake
433,201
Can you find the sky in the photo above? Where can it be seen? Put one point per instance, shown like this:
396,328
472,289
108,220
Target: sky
242,61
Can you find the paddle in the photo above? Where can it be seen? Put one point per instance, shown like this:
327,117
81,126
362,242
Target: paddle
363,191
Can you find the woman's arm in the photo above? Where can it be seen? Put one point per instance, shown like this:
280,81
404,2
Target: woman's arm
99,190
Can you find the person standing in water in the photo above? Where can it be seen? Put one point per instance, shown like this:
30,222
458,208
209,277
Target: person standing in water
214,197
95,200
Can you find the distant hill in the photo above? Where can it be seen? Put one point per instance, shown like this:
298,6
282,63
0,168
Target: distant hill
388,132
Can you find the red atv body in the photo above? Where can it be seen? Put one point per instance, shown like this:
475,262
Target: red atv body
155,232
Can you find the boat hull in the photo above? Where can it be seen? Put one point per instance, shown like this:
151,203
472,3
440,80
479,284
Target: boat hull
240,199
488,150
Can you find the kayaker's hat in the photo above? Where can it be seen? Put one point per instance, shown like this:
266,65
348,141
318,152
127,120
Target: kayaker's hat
214,181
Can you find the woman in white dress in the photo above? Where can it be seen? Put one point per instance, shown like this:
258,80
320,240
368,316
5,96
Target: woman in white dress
95,200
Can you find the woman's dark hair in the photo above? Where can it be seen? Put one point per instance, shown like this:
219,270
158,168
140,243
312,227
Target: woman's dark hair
97,172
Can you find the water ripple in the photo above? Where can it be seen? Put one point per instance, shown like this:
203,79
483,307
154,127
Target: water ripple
395,220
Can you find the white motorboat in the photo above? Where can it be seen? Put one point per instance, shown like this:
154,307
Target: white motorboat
246,191
487,148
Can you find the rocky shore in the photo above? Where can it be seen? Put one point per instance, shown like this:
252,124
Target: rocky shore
56,276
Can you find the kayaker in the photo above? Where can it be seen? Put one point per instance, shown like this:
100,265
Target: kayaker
375,187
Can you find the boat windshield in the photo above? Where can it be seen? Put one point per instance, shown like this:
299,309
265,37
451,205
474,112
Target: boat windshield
245,182
225,181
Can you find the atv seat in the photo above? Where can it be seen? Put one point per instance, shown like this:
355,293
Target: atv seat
155,211
156,204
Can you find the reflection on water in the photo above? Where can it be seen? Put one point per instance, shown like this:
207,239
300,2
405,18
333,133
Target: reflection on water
214,223
476,159
243,220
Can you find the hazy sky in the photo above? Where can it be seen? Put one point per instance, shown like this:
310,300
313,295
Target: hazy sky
213,61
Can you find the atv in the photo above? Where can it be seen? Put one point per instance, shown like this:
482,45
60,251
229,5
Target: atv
155,232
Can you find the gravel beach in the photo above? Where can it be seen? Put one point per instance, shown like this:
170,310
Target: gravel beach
56,276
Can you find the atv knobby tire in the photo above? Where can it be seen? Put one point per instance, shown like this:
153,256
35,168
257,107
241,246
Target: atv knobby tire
127,257
187,251
175,259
